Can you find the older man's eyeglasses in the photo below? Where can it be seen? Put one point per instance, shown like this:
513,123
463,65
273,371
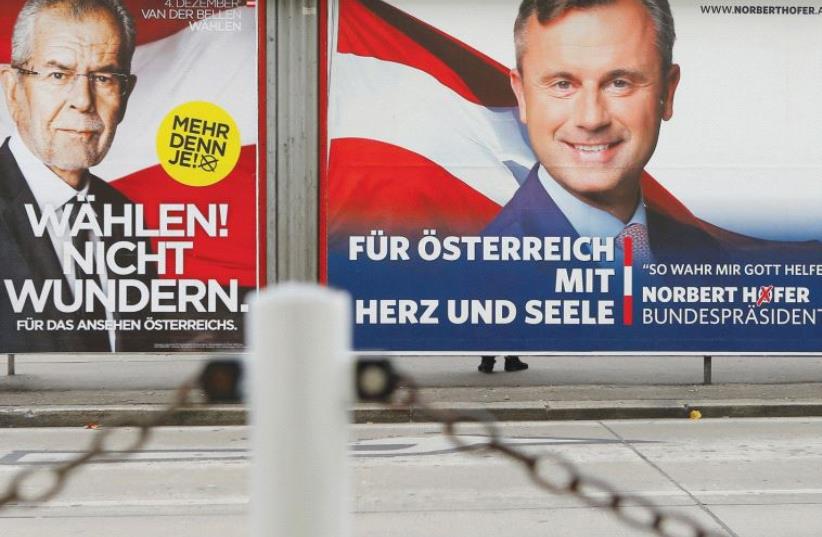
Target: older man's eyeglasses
102,83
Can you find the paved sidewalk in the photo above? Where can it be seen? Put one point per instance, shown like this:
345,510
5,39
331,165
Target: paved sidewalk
80,390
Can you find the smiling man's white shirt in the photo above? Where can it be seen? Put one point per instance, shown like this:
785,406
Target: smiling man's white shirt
50,191
588,221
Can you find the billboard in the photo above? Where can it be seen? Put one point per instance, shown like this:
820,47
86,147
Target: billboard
581,188
131,169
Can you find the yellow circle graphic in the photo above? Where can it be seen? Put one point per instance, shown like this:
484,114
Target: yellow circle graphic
198,143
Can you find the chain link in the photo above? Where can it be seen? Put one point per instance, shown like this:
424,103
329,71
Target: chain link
28,487
551,471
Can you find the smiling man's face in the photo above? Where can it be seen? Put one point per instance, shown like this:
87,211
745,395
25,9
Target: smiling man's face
69,128
592,93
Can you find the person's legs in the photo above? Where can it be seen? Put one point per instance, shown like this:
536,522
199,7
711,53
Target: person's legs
487,364
513,363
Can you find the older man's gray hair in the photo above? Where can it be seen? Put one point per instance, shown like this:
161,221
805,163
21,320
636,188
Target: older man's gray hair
21,39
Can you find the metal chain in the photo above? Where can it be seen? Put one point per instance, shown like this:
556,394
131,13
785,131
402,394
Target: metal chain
23,488
551,471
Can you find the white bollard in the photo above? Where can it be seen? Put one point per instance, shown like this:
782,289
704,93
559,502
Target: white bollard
300,379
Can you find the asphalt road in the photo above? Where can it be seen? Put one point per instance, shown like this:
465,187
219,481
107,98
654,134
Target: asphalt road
742,478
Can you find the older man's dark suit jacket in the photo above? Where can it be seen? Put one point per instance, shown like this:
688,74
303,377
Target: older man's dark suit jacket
26,256
532,212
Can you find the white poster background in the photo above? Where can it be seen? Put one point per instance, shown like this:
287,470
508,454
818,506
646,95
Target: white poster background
744,148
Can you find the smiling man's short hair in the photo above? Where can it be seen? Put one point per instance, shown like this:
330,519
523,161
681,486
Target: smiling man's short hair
547,10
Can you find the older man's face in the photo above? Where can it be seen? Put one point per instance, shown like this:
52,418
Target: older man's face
69,127
592,94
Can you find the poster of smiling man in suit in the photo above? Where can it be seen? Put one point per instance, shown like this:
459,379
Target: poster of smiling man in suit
557,176
594,80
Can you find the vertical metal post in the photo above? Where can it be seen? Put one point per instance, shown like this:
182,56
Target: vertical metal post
706,370
10,365
293,189
301,380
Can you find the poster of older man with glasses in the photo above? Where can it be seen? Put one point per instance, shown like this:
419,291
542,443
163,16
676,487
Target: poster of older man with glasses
88,264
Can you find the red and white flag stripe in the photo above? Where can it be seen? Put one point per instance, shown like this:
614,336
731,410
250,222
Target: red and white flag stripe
421,127
470,141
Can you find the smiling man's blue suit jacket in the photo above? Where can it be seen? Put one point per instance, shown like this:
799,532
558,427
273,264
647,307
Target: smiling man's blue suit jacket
532,212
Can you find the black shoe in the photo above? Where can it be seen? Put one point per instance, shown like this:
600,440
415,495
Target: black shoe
513,363
487,365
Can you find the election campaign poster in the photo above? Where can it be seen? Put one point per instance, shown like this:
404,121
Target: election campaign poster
131,170
540,176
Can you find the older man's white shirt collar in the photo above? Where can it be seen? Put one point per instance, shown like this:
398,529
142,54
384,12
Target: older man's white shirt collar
48,188
588,221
